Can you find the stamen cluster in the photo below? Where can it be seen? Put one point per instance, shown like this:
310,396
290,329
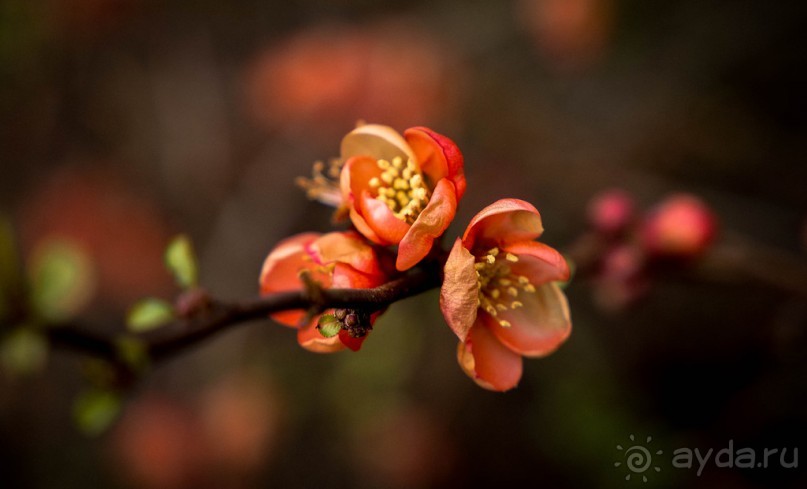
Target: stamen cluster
402,188
498,287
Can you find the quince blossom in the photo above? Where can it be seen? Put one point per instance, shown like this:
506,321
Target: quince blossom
334,260
401,190
499,294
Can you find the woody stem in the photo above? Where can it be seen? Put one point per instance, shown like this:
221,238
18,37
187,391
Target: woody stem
223,315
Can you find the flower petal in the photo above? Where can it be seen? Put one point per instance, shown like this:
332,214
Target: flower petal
487,361
309,338
429,225
347,277
389,229
281,270
539,327
353,343
377,142
356,175
361,226
348,248
538,262
503,222
459,293
438,156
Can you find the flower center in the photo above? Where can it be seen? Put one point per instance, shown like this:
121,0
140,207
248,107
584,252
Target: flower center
499,287
401,187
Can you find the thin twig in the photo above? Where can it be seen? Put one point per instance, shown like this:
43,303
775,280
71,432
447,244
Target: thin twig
223,315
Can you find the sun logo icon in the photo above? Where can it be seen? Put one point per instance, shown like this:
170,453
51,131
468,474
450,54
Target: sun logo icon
637,458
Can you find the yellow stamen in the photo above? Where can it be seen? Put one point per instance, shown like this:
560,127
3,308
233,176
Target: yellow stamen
401,187
499,288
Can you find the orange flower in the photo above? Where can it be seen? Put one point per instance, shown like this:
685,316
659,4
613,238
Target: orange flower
334,260
499,294
401,190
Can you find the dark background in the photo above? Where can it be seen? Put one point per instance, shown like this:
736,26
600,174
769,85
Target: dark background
124,122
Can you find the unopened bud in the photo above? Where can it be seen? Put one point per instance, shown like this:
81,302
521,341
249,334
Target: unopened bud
682,226
611,212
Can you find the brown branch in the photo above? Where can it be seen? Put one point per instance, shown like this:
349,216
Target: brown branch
222,315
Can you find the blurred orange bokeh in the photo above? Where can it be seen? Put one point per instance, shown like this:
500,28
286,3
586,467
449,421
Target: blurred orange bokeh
122,231
330,76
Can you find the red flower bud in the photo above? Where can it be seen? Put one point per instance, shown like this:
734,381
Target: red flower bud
611,212
682,226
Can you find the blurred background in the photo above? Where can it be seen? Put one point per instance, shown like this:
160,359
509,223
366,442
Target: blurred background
123,122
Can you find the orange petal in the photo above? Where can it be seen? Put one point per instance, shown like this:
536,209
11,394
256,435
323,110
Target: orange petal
309,338
362,227
281,270
355,177
347,277
539,327
538,262
437,156
381,220
503,222
376,141
487,361
459,293
346,247
429,225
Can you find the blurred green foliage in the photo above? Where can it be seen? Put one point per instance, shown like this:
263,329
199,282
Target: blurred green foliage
180,259
149,314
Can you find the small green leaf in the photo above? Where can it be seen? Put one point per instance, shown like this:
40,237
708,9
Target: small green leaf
95,410
181,261
62,279
149,314
328,325
133,352
23,351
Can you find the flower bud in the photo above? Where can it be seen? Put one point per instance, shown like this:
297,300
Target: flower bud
611,212
682,226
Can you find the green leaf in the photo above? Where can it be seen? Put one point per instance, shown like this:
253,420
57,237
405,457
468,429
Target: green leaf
95,410
181,261
328,325
133,352
62,279
149,314
23,351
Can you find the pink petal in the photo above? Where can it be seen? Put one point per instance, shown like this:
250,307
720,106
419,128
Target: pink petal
503,222
539,327
487,361
382,220
377,142
459,293
538,262
437,156
429,225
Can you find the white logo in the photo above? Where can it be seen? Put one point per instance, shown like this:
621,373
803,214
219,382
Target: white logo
637,458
